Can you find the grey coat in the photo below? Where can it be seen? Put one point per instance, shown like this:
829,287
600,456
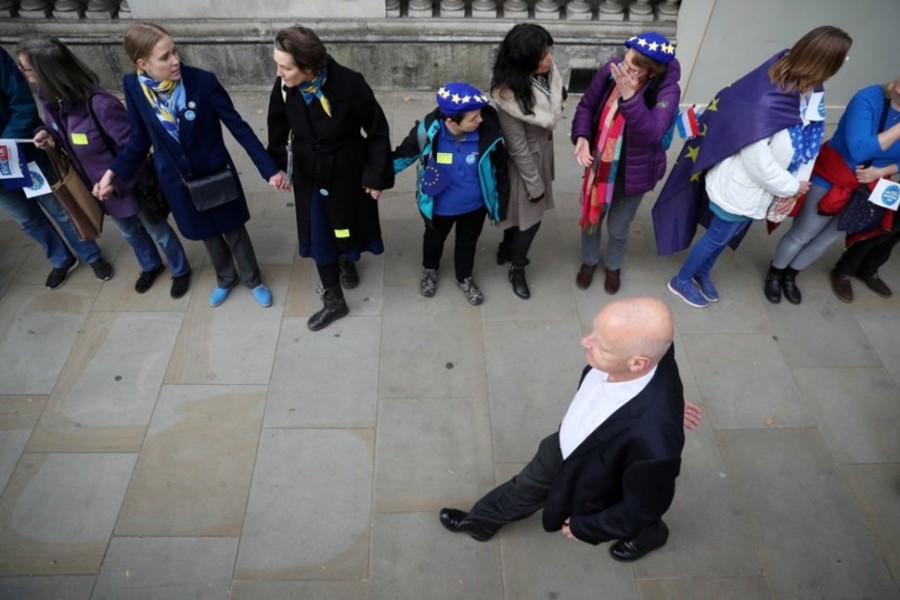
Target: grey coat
529,141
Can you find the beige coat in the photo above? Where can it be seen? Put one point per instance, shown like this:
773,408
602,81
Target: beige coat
529,141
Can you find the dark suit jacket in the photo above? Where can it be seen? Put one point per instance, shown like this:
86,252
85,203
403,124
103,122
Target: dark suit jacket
621,479
199,151
332,155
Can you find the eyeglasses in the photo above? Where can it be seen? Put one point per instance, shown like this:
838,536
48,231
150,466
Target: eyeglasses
25,69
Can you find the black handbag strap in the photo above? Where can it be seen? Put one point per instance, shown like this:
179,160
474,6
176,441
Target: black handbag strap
107,139
884,114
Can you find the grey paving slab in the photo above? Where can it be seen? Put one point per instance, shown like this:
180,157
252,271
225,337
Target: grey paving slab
880,323
821,332
302,299
432,358
18,416
234,342
106,393
58,510
403,254
159,568
309,506
733,588
745,383
448,462
875,489
857,412
36,267
14,250
47,588
809,532
271,205
327,378
193,474
709,532
38,328
529,394
414,557
298,590
274,240
367,299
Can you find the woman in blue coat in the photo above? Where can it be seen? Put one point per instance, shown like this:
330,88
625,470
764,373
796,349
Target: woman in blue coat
179,111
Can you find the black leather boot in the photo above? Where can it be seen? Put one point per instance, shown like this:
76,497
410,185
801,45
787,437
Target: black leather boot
772,287
335,308
789,286
519,285
349,274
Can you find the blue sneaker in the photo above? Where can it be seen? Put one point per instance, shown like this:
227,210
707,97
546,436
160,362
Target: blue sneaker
706,287
219,295
263,295
688,293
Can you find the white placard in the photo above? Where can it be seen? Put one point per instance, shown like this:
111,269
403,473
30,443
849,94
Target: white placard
39,185
886,194
9,160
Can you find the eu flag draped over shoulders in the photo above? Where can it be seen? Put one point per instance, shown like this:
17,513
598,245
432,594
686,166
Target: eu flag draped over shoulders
750,109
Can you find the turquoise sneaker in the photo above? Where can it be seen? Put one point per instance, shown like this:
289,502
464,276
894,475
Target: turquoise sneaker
263,295
219,295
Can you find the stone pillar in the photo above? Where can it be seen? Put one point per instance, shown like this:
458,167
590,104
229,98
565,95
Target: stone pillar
67,9
546,10
6,8
640,10
124,10
392,9
515,9
484,9
35,9
420,9
101,9
578,10
453,9
611,10
668,10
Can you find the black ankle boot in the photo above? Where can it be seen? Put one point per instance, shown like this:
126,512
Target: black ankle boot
335,308
349,274
772,287
789,285
519,285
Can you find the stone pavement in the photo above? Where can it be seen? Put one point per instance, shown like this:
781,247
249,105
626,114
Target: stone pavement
157,448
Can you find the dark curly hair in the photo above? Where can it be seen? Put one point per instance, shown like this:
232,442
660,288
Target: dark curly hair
519,55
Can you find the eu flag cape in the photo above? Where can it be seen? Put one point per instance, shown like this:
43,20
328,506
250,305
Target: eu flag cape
751,109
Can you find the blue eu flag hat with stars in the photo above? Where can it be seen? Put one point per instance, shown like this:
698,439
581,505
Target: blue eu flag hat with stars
652,45
458,97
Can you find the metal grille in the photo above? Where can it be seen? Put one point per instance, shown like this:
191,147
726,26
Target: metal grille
580,79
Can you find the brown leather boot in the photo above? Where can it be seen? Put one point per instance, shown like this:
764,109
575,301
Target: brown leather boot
585,276
612,283
841,286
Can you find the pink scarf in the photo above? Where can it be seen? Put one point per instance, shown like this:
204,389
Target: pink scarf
600,177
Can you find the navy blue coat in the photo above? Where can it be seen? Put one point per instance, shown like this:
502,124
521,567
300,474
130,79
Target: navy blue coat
621,479
200,150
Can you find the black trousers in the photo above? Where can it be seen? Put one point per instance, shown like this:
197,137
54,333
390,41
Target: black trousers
226,248
468,229
526,493
518,241
864,258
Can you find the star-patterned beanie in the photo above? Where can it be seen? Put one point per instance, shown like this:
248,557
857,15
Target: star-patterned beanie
652,45
458,97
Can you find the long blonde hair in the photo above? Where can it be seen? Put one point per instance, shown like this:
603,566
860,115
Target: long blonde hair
814,58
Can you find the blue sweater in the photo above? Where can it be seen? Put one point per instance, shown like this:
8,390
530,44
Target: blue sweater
856,138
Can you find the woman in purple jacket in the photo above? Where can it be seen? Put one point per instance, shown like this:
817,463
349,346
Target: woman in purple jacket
92,125
617,131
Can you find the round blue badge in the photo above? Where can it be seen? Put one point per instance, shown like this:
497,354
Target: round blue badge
37,181
891,195
323,192
190,115
470,159
822,109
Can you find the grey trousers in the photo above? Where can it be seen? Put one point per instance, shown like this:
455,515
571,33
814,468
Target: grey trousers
618,222
227,248
810,235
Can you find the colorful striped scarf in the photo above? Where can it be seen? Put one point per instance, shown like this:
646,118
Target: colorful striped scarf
314,89
166,98
600,177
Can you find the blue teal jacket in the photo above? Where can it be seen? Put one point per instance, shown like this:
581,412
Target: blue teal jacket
493,173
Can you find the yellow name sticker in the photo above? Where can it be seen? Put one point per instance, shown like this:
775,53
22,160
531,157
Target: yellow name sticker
444,158
79,139
341,233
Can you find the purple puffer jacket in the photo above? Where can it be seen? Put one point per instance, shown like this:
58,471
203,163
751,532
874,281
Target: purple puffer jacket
645,159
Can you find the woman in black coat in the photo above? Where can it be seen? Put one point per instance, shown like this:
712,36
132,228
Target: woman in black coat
316,111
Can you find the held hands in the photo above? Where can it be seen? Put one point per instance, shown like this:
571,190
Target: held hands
376,194
583,154
868,174
628,83
692,415
279,181
567,530
43,139
103,189
804,187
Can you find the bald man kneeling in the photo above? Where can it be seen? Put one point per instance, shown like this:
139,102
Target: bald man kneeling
609,472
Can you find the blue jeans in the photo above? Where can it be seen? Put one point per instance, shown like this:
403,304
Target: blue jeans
141,234
27,213
705,252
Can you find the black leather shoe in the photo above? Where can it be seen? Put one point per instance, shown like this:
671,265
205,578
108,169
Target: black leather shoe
519,285
146,278
455,520
335,308
626,551
180,285
789,286
349,274
772,288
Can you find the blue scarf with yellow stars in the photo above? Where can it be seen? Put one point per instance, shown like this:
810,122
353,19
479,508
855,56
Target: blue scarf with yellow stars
750,109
